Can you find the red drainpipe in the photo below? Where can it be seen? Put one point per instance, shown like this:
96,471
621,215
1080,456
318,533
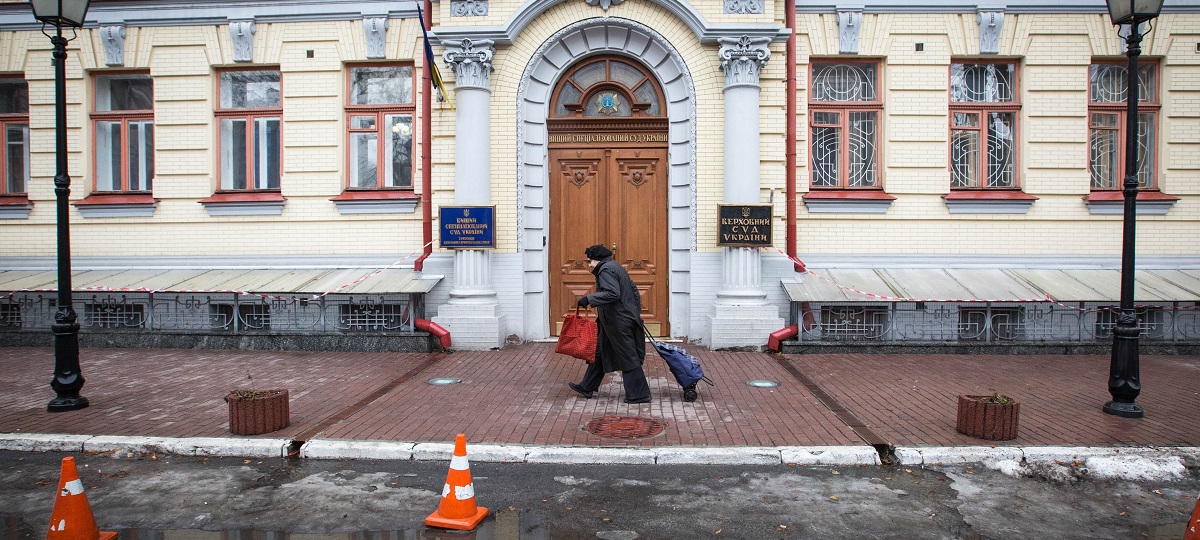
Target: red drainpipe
437,330
790,148
426,157
773,342
776,337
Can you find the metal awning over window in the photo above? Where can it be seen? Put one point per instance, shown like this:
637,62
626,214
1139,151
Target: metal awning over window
298,281
989,285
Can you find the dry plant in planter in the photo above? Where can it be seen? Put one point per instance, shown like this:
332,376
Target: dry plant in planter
254,411
993,417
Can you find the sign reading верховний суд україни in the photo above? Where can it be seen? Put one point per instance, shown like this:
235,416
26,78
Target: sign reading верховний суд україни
744,225
467,227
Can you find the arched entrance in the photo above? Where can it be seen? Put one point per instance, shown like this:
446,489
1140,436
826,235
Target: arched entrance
559,52
607,164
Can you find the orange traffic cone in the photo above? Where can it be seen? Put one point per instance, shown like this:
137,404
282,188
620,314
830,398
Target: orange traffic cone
1193,526
457,509
72,517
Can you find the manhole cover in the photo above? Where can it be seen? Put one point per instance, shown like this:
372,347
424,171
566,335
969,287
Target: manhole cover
625,427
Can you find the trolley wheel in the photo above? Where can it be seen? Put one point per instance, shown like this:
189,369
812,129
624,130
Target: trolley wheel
689,394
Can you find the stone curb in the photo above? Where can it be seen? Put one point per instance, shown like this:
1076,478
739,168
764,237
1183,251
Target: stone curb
1102,462
42,442
1124,463
184,446
491,453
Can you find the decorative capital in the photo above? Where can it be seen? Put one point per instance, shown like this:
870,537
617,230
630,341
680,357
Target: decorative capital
468,8
113,37
849,28
376,31
744,7
604,4
743,58
471,61
242,35
990,23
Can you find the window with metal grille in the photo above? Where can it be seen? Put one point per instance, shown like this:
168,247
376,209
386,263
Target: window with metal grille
844,112
986,324
10,315
371,317
854,322
1108,91
220,317
983,125
254,317
1151,320
114,314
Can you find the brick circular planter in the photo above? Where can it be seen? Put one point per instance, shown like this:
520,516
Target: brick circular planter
992,421
257,412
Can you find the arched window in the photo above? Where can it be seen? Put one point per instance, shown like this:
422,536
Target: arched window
607,88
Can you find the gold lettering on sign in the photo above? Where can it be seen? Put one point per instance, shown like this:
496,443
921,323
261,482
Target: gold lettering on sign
611,137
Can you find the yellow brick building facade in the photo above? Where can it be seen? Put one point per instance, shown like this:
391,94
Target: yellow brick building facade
505,63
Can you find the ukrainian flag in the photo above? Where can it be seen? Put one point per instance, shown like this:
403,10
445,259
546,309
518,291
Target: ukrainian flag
434,74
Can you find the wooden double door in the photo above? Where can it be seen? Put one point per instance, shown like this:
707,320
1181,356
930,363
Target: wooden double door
615,196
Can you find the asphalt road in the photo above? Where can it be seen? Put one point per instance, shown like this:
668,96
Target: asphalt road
162,497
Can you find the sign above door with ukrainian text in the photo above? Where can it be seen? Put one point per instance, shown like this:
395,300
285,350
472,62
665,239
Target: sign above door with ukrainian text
744,225
467,227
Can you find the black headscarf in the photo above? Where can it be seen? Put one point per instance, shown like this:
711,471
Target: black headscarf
597,252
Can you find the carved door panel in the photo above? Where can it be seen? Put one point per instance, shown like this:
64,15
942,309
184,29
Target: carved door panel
617,197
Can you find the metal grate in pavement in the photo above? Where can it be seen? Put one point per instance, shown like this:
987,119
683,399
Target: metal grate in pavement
625,427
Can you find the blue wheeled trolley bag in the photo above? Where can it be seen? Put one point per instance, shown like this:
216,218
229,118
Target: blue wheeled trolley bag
685,367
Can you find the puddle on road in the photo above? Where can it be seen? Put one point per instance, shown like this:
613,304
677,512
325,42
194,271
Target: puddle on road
499,525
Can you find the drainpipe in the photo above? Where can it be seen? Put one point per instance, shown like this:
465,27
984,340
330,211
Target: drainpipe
790,147
773,341
435,329
426,151
775,338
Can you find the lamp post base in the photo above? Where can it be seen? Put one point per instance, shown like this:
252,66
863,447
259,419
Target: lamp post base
64,404
1124,410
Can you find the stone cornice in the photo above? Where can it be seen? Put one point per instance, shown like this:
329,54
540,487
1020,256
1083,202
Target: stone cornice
958,6
18,16
704,31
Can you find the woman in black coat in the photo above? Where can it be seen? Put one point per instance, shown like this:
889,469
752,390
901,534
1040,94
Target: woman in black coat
621,343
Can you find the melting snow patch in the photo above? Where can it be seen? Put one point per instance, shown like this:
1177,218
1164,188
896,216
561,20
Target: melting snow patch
1136,467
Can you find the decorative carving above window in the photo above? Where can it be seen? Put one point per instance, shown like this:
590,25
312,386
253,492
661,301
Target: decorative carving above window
604,4
849,28
744,7
242,35
990,23
376,31
468,8
113,37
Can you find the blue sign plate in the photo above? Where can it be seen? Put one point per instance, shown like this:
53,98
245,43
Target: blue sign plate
467,227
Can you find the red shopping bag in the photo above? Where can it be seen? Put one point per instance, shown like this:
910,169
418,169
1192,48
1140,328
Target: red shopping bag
578,337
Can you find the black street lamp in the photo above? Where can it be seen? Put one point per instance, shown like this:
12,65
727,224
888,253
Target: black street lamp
68,379
1124,381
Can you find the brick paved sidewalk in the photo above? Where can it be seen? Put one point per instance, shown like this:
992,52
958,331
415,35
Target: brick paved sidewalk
519,395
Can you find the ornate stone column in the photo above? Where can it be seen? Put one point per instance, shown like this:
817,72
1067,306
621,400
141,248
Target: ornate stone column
472,314
741,315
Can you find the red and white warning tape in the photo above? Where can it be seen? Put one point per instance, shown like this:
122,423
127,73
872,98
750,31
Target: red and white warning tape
1046,299
235,291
